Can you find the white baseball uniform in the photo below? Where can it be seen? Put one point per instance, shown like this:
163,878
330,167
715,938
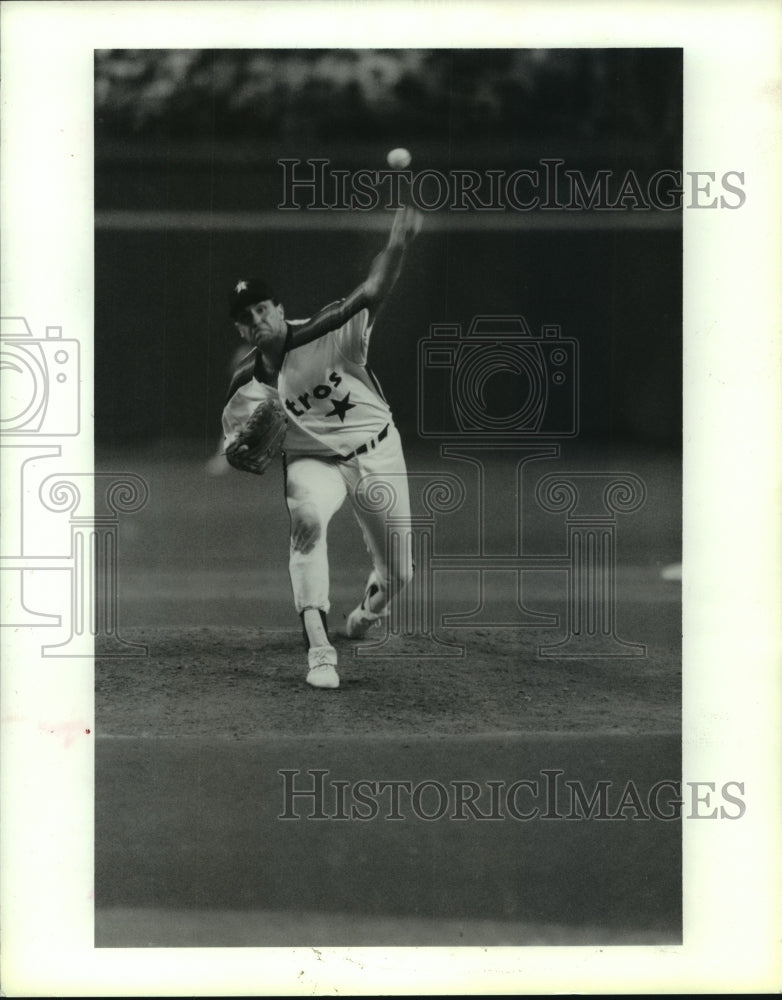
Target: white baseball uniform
341,439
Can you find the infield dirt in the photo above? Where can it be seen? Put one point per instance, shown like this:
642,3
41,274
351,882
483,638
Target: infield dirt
245,682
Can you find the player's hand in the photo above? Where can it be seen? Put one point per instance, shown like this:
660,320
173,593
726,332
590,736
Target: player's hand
406,226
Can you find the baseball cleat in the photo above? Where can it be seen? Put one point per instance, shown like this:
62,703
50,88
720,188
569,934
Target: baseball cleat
359,622
322,662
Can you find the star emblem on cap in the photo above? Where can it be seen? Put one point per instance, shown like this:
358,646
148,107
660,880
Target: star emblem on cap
241,286
341,407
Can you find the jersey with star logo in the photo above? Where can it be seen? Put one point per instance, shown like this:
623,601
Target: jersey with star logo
333,401
340,408
336,403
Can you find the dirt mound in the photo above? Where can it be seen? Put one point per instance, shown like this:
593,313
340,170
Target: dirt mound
244,682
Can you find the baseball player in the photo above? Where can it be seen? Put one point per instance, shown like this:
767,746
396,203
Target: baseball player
339,431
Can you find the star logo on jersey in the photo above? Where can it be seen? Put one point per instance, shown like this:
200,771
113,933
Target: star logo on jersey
341,407
241,286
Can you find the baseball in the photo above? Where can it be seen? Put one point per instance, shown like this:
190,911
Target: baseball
399,158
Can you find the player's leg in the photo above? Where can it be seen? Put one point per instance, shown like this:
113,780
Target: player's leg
314,491
391,553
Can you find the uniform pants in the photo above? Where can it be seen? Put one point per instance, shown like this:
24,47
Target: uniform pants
315,490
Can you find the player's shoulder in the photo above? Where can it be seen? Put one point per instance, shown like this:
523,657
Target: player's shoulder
316,345
294,324
355,322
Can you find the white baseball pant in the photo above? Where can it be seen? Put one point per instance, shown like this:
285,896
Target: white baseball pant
317,488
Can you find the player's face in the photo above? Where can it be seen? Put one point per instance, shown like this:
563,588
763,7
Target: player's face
262,323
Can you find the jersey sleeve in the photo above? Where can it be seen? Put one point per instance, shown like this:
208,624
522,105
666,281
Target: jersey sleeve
353,338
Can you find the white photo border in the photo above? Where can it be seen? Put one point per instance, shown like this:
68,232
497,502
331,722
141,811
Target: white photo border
732,420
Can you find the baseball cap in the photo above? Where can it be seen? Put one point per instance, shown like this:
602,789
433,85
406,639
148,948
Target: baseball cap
248,291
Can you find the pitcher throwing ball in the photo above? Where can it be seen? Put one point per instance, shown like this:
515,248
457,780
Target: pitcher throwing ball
337,429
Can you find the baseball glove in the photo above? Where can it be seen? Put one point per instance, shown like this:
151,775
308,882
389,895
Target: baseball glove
260,440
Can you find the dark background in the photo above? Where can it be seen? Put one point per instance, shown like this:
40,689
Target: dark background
199,133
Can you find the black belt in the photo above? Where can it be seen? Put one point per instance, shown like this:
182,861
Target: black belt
364,448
